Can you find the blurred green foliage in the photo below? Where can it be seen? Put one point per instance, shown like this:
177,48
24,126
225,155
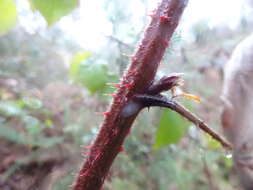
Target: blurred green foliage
51,10
8,15
22,111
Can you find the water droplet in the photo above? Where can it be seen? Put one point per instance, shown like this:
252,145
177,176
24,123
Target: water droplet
229,156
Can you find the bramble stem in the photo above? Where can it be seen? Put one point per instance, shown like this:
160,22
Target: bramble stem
137,79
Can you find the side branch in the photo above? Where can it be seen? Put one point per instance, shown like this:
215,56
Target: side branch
200,123
158,100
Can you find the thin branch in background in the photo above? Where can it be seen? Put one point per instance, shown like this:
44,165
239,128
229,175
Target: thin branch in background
120,43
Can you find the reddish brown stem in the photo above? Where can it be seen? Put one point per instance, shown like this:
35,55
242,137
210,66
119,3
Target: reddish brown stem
140,75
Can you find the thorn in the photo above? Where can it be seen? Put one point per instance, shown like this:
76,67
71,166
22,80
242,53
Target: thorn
129,56
164,18
113,95
132,70
103,113
114,84
166,43
88,147
129,85
152,15
83,174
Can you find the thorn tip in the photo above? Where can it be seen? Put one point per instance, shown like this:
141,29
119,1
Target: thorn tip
164,18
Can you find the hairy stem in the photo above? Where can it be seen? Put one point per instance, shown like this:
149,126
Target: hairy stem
137,79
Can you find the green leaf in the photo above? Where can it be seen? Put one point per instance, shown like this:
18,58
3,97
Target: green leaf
172,128
8,15
53,10
91,73
75,63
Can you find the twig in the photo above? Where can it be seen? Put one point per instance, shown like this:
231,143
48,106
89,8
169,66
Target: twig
147,100
201,124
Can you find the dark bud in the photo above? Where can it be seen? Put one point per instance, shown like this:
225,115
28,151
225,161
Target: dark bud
165,83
